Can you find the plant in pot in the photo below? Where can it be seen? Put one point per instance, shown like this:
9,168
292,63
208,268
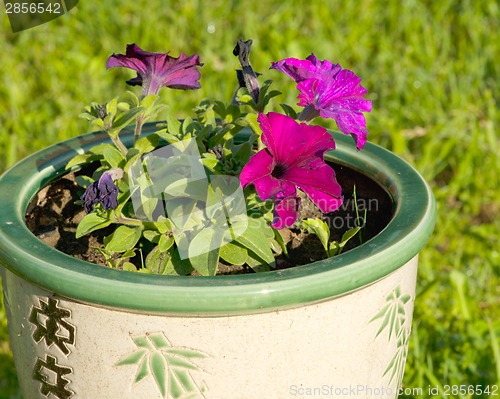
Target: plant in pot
224,261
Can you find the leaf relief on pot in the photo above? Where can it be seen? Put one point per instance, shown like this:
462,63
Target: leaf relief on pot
395,318
170,366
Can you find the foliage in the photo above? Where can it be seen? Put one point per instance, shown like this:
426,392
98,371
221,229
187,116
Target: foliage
431,68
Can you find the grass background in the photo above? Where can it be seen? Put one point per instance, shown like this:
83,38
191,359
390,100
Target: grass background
431,68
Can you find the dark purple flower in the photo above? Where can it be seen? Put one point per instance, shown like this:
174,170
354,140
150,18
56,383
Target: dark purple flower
331,92
246,75
102,191
293,158
155,70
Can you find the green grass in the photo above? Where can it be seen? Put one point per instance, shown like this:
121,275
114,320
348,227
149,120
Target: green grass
431,68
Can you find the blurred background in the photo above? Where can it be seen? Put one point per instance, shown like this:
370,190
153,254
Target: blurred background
431,68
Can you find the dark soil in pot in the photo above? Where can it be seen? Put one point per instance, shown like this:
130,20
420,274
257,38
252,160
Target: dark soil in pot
53,217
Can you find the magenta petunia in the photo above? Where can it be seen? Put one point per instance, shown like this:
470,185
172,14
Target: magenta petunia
331,92
155,70
293,158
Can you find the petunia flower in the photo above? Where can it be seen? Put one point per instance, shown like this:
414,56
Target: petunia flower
247,77
293,158
155,70
102,191
329,91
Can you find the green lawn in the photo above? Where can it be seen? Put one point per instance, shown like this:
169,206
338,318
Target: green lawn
431,68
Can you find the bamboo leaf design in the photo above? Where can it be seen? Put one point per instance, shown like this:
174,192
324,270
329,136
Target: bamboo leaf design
159,368
393,315
159,340
170,366
185,352
175,361
134,358
142,371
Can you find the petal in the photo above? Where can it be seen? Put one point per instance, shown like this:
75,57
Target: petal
353,123
156,70
318,181
132,59
90,197
345,91
297,69
258,172
108,192
179,73
259,165
318,141
324,201
285,138
285,212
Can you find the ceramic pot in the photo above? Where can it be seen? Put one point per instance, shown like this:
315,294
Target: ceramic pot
332,328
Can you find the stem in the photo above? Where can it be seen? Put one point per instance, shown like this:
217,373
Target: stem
116,141
134,222
138,127
129,221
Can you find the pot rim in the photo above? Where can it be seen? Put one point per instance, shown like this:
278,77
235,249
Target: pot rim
24,254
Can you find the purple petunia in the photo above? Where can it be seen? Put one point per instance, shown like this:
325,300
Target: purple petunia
155,70
331,92
293,158
102,191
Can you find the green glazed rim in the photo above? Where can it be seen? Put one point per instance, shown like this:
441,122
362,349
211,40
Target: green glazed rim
26,256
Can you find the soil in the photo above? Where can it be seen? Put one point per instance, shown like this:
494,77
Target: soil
53,217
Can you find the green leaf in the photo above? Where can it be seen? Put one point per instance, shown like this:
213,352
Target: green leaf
113,157
83,181
81,159
206,263
90,223
112,107
124,238
165,243
289,111
151,235
173,126
129,267
257,264
211,164
147,143
233,253
124,119
319,228
149,100
280,240
254,239
347,236
333,248
100,149
163,224
177,266
156,261
134,100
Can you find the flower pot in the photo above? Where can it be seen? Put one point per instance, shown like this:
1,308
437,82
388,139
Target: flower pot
332,328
